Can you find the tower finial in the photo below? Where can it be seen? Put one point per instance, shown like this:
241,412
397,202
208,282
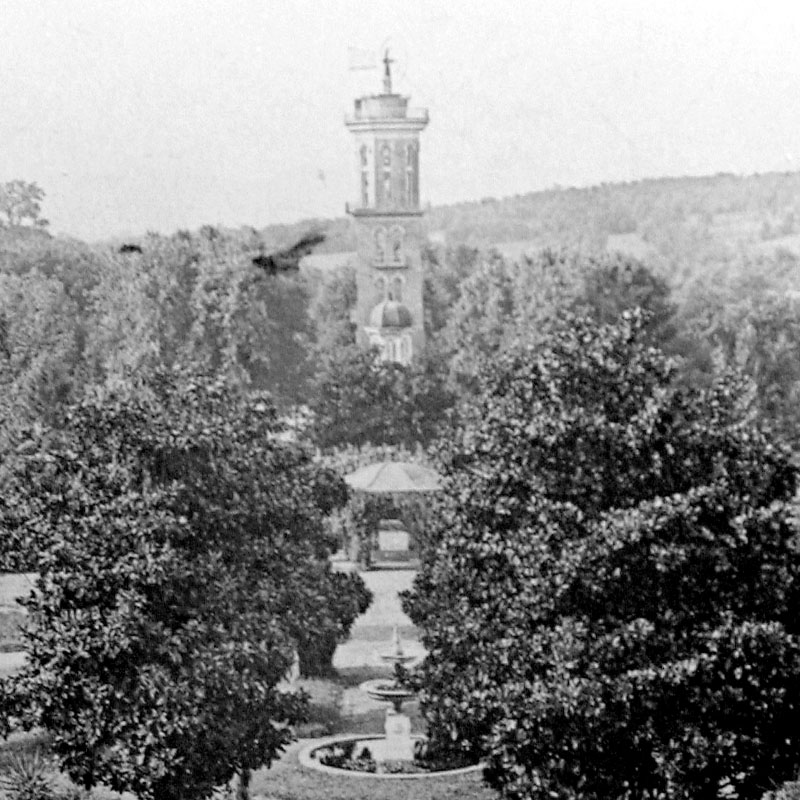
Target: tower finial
387,72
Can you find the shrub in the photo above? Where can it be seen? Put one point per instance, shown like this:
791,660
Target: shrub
25,777
347,598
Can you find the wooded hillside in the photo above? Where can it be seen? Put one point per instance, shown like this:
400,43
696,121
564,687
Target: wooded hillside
689,229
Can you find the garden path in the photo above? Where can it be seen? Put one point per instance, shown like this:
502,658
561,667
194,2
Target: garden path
372,631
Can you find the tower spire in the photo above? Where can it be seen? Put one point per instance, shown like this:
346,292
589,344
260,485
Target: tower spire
387,72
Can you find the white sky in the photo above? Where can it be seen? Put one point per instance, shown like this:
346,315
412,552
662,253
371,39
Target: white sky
160,114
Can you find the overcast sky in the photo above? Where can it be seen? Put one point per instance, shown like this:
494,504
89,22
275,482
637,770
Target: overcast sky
166,114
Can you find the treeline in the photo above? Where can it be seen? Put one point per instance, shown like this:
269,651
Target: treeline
714,270
74,315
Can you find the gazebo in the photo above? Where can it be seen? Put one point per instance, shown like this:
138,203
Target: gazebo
393,478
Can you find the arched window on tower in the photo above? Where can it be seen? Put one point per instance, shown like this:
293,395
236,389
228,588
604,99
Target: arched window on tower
397,244
386,161
380,288
412,191
380,245
364,176
397,288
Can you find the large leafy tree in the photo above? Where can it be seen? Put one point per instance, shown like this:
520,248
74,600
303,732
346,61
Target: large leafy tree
357,399
45,285
504,301
613,608
756,330
201,297
182,558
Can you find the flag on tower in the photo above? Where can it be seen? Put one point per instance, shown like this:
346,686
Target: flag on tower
358,58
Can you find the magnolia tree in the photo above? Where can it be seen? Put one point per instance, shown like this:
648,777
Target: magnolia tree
182,558
614,607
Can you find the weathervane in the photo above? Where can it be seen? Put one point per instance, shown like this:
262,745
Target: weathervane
387,72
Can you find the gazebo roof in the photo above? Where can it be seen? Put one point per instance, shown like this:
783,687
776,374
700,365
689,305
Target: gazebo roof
389,477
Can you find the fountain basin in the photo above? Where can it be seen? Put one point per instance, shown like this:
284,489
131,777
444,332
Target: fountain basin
387,690
309,758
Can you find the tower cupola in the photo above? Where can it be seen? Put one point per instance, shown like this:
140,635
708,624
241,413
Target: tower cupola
386,134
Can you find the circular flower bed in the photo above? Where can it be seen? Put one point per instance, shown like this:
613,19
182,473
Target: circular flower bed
351,755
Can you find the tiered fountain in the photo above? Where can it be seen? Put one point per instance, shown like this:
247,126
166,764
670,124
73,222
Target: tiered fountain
398,744
389,756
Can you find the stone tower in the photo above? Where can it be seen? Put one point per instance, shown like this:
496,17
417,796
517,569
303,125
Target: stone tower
388,222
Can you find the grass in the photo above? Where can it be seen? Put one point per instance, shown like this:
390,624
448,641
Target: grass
350,677
287,780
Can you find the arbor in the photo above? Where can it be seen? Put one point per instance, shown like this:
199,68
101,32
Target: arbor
182,558
21,204
356,524
613,608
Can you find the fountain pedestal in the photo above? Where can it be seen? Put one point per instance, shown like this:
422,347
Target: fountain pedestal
398,744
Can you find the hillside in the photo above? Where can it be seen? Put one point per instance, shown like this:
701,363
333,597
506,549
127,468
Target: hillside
719,227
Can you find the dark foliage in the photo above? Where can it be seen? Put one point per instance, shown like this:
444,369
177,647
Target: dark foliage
346,597
182,558
613,608
357,399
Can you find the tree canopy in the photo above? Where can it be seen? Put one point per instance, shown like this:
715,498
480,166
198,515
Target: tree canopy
358,399
613,607
182,559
